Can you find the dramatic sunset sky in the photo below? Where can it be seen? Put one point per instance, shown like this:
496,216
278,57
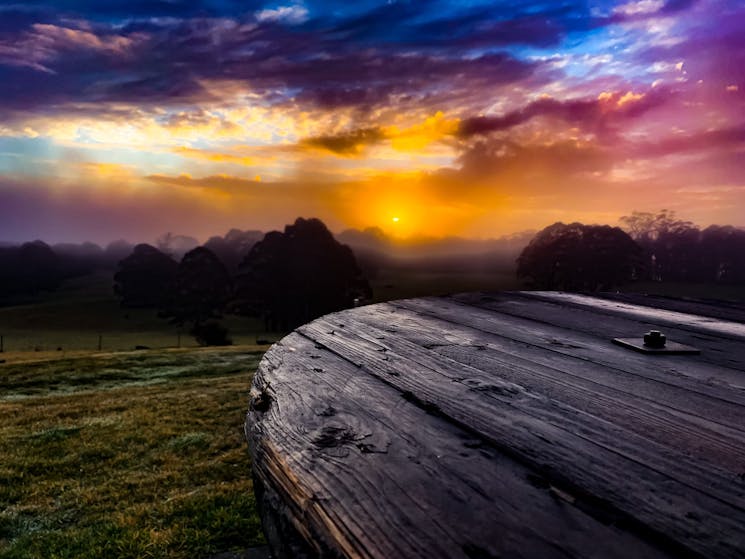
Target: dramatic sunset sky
130,118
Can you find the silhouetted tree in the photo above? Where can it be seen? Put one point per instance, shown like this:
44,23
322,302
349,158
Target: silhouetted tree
115,252
233,247
722,254
28,269
647,227
677,250
201,287
145,278
78,259
211,333
579,257
292,277
38,266
676,256
670,245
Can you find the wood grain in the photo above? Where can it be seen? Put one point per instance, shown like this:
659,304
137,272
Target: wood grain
474,426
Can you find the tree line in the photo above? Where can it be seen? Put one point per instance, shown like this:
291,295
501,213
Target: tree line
33,267
653,247
290,277
287,278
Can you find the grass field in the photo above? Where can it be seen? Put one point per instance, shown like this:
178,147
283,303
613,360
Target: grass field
72,318
127,455
84,310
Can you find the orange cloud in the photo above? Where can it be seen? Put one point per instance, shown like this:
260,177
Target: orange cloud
419,136
411,139
347,143
220,157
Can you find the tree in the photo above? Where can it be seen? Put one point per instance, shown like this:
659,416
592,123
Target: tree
292,277
38,266
670,245
233,247
115,252
723,254
78,259
201,287
211,333
676,256
145,278
579,257
28,269
647,227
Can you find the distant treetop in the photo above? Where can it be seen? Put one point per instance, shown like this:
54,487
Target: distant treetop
579,257
145,277
292,277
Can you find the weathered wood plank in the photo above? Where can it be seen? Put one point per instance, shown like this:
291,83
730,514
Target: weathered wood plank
714,430
716,393
477,329
601,322
368,473
503,316
722,448
548,435
685,321
724,310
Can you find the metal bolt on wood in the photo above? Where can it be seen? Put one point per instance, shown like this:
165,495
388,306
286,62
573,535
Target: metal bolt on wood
655,339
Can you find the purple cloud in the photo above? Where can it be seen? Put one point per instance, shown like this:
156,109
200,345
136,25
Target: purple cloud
599,115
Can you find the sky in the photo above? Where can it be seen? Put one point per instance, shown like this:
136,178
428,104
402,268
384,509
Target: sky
131,118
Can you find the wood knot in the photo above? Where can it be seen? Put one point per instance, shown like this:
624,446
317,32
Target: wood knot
261,402
328,411
330,437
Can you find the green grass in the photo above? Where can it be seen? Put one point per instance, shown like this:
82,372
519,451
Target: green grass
73,317
128,455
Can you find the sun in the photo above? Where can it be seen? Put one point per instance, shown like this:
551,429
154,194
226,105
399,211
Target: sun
395,219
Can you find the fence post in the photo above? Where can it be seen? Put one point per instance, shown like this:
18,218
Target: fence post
2,343
100,342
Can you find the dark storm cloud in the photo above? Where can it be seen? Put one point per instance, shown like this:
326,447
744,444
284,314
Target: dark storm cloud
63,52
346,144
432,24
51,64
597,115
107,9
731,139
17,18
341,56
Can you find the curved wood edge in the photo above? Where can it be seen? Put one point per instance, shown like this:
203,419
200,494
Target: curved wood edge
293,527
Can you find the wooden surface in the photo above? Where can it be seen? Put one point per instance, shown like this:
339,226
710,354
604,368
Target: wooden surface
503,425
